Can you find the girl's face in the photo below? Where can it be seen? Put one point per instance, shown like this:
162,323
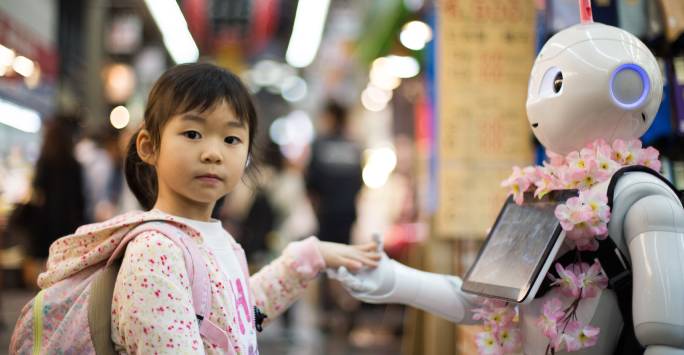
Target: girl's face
201,158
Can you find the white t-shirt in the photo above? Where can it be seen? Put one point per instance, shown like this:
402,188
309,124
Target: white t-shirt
218,241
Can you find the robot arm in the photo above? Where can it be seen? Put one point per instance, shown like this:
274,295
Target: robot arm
393,282
654,232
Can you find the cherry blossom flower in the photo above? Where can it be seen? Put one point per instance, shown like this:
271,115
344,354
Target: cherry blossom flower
600,212
572,213
547,181
530,173
518,182
600,146
552,314
606,165
597,202
487,344
501,334
510,339
578,336
649,158
568,281
592,280
587,176
626,153
495,313
578,160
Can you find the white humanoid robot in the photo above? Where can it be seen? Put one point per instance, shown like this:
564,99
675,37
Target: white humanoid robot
589,82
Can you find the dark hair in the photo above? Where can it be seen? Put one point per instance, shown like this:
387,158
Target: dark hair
58,140
338,113
183,88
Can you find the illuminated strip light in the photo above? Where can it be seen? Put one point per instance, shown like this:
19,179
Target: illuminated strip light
19,117
174,29
307,32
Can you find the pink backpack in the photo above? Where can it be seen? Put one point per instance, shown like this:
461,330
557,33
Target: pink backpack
73,316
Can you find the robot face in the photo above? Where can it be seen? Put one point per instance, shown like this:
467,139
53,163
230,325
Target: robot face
592,81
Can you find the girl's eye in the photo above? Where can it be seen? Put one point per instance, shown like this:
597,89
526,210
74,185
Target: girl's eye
192,134
232,140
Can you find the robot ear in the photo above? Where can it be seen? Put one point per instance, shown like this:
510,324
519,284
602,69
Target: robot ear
629,86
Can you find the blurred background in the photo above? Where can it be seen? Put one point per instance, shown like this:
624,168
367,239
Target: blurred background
396,118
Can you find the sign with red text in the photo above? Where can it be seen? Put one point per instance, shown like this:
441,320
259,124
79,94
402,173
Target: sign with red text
485,53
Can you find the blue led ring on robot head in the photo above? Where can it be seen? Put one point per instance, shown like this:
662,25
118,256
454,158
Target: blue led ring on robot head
626,92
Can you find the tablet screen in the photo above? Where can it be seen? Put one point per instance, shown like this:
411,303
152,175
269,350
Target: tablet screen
517,247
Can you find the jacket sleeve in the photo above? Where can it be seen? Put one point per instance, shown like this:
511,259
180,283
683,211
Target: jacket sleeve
152,308
276,286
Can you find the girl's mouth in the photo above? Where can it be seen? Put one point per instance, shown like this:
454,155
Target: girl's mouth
210,178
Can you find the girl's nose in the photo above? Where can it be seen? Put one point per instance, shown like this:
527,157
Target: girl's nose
211,155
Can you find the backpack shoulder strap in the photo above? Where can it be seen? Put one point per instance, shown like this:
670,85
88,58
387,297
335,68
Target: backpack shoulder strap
619,271
198,274
636,168
100,308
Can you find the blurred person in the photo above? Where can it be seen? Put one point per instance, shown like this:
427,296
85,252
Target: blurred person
57,196
194,147
102,155
287,193
333,180
333,177
98,167
115,196
293,217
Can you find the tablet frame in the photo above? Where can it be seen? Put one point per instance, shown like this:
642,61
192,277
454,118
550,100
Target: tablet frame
525,294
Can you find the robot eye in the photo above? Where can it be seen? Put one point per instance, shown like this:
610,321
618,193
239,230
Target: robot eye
552,83
629,86
558,82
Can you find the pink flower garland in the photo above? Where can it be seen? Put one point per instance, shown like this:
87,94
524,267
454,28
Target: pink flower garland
585,220
500,336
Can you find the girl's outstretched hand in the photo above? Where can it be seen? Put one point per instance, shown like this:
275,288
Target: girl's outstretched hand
353,257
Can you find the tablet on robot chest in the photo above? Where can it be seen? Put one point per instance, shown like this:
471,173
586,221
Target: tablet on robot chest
519,249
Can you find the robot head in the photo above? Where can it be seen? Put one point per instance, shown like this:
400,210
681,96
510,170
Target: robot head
592,81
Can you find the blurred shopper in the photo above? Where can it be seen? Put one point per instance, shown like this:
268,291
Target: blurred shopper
102,156
98,166
333,180
286,191
294,218
57,199
334,176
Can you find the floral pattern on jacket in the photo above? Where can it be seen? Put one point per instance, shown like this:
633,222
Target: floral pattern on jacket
152,303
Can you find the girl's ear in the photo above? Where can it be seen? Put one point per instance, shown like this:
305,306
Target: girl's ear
145,147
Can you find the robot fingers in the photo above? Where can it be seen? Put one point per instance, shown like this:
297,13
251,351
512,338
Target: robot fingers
348,280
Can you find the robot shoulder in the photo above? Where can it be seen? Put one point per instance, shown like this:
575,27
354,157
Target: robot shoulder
632,184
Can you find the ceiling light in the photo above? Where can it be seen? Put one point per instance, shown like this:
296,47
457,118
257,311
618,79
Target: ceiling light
174,30
306,32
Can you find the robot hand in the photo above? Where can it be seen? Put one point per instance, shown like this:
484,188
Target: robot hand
368,285
393,282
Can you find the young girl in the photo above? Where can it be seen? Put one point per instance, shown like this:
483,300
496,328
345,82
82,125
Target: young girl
194,147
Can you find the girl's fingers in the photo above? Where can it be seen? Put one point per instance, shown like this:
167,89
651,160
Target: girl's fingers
351,264
366,260
367,247
373,256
